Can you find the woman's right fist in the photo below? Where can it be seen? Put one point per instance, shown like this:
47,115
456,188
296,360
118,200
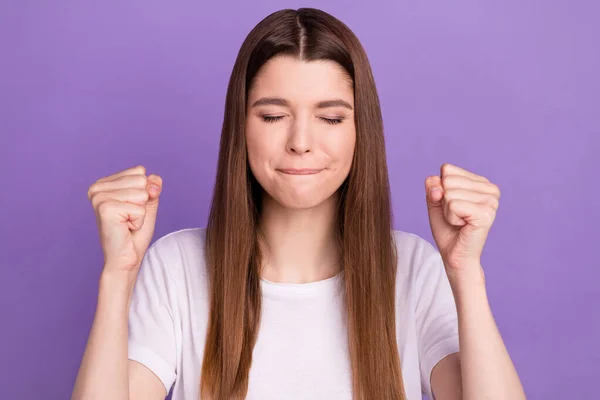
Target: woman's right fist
125,204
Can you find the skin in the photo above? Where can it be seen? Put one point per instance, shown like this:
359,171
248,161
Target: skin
300,115
311,125
299,212
461,213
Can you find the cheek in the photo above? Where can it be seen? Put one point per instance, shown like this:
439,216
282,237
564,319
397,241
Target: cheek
254,156
261,150
341,147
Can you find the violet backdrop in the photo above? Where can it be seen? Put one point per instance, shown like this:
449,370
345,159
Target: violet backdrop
507,89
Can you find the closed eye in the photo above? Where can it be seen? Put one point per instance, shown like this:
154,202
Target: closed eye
332,121
271,118
275,118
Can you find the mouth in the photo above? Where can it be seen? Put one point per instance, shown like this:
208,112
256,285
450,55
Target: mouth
303,171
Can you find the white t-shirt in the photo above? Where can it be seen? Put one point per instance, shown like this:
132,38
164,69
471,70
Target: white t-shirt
301,350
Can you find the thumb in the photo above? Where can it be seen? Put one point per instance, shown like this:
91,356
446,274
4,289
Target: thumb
152,203
434,193
435,206
154,190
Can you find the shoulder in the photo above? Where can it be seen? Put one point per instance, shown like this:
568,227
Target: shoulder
413,252
411,241
181,253
187,242
187,237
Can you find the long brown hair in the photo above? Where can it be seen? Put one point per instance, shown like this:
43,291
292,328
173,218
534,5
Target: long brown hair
364,223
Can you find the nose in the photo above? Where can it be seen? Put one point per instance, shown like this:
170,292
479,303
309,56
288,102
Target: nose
299,140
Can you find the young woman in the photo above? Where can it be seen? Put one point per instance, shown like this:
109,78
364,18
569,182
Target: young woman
298,288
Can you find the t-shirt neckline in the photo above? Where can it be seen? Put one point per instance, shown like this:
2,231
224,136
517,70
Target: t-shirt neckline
324,286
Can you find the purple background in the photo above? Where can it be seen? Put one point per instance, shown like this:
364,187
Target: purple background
506,89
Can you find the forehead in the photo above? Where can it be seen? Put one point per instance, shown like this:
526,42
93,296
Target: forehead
300,81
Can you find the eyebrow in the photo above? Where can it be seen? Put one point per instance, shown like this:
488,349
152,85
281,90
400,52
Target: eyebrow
277,101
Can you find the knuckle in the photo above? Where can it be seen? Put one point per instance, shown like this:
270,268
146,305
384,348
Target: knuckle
141,180
134,181
105,208
96,199
495,189
494,203
447,181
144,195
92,189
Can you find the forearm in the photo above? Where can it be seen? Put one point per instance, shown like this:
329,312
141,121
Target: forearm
103,373
487,370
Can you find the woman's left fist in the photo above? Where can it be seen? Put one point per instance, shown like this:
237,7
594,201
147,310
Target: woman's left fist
462,207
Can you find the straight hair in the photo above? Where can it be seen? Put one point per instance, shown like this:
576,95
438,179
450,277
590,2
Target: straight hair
364,220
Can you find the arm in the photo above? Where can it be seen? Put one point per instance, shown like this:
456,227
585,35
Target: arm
105,371
446,378
484,366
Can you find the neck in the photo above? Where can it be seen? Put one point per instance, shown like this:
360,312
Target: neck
299,245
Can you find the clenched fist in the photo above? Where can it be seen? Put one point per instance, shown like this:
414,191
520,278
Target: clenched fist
125,204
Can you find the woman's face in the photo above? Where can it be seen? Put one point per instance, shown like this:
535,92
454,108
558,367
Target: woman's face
300,130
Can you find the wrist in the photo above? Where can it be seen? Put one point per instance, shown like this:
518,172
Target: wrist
466,276
116,282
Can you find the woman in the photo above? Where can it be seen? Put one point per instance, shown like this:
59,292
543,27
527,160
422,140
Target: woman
298,288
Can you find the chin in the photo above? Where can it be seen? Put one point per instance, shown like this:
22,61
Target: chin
300,204
304,199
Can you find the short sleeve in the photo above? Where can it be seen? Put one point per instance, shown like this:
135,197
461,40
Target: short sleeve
436,315
151,328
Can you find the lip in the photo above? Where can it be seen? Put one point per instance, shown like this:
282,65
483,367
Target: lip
302,171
